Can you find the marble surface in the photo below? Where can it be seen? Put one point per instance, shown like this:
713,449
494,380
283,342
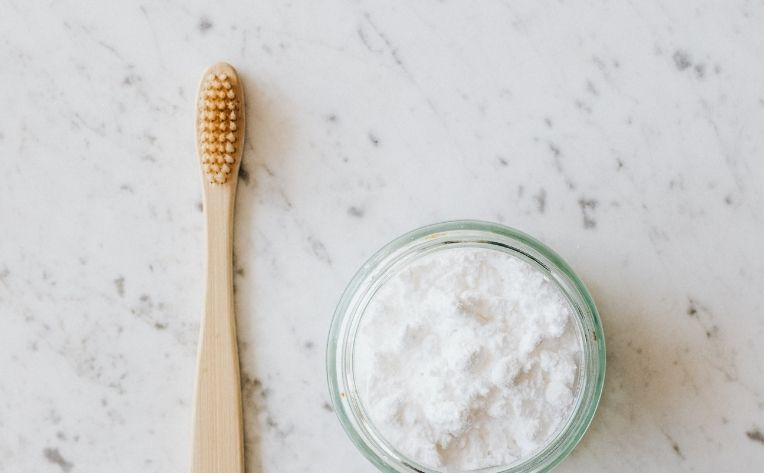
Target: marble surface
629,136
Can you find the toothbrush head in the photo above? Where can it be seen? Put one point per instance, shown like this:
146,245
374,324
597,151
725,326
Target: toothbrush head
220,123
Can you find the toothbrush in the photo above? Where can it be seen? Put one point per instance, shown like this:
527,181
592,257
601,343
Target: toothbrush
218,443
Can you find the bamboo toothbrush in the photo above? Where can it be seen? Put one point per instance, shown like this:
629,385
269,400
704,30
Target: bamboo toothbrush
218,443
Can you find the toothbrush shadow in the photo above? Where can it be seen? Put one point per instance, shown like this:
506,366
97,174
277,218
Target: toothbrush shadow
265,142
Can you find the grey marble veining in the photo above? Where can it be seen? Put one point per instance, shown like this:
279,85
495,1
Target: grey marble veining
626,135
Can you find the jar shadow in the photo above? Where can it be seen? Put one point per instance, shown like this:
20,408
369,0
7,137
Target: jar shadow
651,373
266,140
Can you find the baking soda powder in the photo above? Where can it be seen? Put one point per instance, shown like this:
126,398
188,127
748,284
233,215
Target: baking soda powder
468,358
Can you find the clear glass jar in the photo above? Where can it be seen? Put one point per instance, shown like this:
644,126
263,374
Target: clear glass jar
464,233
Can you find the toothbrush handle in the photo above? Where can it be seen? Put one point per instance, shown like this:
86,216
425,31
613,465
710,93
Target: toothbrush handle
218,444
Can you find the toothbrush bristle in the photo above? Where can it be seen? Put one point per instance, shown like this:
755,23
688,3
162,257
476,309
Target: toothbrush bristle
218,107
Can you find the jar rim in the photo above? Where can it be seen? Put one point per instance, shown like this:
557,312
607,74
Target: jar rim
349,310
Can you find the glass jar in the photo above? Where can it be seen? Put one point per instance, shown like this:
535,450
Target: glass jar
464,233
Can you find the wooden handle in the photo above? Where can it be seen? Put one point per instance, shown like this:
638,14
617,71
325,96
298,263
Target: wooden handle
218,445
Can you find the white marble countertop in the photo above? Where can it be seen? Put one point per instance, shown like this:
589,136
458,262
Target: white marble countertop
629,136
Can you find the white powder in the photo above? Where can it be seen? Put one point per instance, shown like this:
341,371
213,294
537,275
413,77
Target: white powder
467,358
